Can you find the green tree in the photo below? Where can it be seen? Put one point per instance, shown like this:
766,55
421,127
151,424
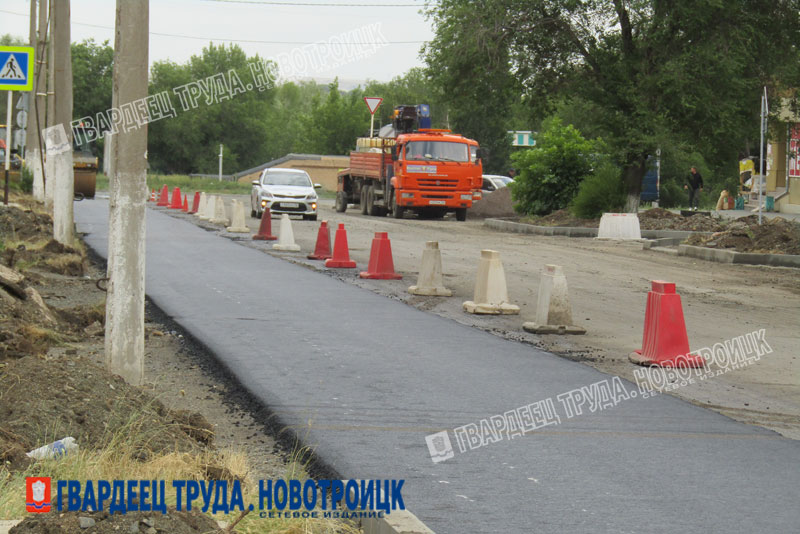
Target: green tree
92,78
333,125
676,74
413,87
552,171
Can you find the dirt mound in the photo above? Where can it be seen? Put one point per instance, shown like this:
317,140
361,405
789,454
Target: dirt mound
661,219
20,224
774,236
495,204
104,523
562,218
48,400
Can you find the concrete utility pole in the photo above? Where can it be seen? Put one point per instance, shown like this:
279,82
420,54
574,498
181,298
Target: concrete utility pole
50,163
64,189
124,348
36,114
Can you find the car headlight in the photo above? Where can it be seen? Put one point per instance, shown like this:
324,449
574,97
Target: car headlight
266,194
311,196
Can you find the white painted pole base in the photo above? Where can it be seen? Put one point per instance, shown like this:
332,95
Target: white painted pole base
34,162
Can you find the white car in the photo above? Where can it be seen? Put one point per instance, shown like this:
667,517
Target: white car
284,191
493,182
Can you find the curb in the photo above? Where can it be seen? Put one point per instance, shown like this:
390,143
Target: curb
576,231
398,522
743,258
8,524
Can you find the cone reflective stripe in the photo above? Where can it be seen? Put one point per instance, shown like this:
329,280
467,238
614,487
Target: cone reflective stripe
185,207
286,236
195,203
163,199
176,199
553,309
153,196
664,342
265,229
341,253
381,265
491,292
429,282
322,250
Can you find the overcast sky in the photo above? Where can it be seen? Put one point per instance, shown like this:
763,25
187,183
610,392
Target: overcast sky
288,28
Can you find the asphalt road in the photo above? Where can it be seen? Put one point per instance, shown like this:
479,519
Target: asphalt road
364,379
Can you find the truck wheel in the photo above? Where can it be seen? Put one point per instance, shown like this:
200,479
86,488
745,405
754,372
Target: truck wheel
341,201
397,211
461,214
371,208
363,203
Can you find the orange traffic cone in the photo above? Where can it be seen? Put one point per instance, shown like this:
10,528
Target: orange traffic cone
322,250
341,253
185,207
381,266
195,203
265,228
153,196
176,199
665,343
163,199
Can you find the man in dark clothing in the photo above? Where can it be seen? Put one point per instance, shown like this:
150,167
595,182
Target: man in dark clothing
694,186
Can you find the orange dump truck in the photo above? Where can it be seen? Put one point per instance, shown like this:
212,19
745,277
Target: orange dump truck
422,170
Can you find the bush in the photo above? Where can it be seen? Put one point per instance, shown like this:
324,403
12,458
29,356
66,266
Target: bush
672,195
602,192
551,172
26,180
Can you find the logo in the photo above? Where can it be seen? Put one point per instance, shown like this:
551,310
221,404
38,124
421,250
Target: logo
37,494
439,446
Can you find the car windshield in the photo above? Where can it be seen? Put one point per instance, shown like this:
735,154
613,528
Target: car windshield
437,150
506,180
300,180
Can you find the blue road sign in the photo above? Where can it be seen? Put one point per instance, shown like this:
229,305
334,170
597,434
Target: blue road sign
16,68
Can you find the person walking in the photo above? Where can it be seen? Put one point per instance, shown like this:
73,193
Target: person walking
695,186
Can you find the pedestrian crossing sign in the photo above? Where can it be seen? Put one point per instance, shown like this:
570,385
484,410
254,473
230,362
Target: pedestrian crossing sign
16,68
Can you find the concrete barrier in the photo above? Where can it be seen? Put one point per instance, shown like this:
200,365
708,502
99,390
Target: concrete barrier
619,226
286,236
208,213
742,258
219,216
429,282
238,225
491,291
201,208
553,308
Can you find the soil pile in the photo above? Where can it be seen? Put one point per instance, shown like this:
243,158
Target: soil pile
661,219
495,204
104,523
774,236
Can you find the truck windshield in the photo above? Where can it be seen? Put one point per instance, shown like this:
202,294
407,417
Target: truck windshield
437,150
287,179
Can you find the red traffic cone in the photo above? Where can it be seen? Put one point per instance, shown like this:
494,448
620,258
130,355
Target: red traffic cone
665,343
381,266
152,196
195,203
163,199
341,253
322,251
265,228
185,207
176,199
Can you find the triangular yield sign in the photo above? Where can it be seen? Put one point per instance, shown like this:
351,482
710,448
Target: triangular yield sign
372,103
11,70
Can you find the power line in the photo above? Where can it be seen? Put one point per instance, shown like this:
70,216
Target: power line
219,39
309,4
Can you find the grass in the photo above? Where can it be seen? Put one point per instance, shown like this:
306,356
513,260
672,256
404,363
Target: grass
120,459
187,184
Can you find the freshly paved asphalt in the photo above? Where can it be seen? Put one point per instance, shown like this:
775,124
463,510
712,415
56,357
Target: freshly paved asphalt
370,377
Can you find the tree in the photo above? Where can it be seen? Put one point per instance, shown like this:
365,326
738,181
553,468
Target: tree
334,125
413,87
552,171
650,73
92,68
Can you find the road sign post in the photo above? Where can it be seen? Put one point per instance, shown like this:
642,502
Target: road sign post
372,103
16,74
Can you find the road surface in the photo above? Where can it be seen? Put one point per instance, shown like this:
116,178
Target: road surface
364,379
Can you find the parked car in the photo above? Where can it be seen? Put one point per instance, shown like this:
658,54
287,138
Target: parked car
493,182
284,191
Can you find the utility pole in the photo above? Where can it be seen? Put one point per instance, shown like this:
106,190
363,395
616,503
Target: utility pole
50,165
124,346
220,163
64,187
37,103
